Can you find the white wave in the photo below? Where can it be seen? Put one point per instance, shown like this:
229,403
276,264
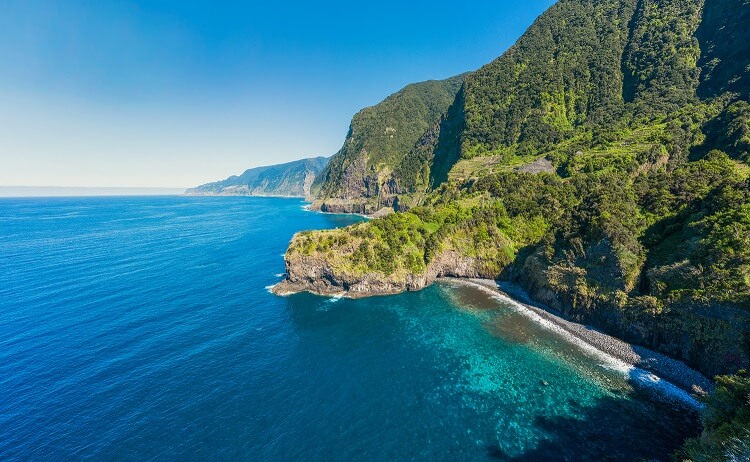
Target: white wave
628,371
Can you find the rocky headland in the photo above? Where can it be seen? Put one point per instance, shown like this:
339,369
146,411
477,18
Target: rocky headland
319,275
345,263
649,368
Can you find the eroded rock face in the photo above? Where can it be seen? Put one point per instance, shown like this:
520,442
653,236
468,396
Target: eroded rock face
336,206
361,206
452,264
314,274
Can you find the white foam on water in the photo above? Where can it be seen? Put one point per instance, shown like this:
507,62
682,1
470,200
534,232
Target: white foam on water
280,275
335,298
628,371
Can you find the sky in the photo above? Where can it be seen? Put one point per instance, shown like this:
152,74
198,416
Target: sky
175,93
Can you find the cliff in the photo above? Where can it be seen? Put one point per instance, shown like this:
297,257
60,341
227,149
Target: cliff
366,171
310,273
293,179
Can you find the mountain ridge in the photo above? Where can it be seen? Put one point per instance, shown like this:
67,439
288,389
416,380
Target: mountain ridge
290,179
365,173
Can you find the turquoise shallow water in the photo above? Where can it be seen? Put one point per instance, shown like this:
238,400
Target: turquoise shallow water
141,329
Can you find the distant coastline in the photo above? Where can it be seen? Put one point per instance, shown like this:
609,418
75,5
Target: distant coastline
192,193
292,179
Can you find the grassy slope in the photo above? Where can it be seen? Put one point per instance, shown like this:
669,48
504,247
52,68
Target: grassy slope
381,136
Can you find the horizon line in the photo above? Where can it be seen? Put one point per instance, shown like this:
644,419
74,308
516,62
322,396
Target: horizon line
20,191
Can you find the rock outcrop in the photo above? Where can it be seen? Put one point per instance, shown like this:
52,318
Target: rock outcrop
359,206
316,275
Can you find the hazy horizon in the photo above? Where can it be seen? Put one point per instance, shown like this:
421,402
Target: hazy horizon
83,191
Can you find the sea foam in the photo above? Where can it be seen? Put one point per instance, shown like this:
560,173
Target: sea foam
637,375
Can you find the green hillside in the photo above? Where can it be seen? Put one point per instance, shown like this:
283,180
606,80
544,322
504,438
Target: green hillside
602,163
380,137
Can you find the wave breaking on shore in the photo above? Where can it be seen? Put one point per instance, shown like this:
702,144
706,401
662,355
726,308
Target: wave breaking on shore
614,353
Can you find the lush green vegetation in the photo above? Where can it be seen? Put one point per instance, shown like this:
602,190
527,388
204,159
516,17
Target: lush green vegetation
562,75
381,136
726,423
407,243
643,228
724,35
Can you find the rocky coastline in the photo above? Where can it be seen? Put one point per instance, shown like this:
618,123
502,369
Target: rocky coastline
309,274
646,364
364,207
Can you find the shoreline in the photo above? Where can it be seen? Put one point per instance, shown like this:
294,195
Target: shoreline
654,372
643,366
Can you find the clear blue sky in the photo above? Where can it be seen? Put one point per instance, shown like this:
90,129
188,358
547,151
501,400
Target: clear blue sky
176,93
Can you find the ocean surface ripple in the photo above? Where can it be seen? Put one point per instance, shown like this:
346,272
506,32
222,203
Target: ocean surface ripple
141,329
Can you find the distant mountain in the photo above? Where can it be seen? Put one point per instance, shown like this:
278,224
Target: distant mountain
290,179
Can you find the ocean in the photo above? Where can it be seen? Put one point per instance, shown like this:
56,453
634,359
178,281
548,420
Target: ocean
142,328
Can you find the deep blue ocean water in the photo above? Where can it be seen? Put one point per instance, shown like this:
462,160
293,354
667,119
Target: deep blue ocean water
142,329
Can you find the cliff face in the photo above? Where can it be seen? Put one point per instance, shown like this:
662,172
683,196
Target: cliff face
316,274
366,169
293,179
709,336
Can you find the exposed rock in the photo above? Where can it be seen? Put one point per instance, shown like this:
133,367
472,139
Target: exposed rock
378,206
542,165
314,274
